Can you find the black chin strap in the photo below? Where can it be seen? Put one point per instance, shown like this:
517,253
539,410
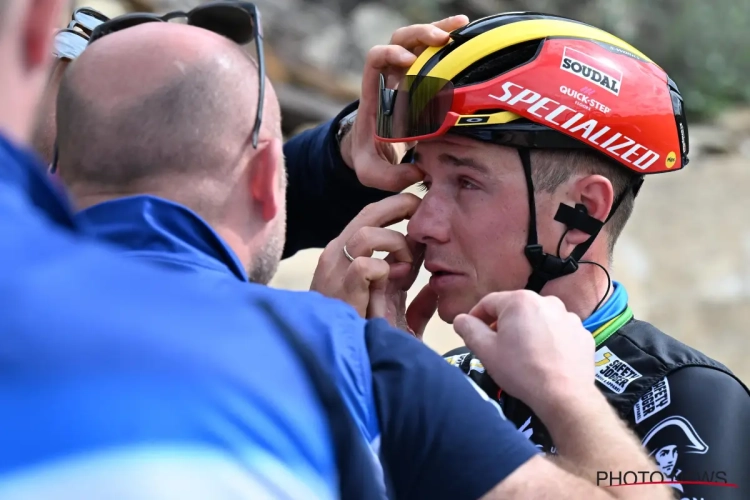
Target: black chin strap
546,267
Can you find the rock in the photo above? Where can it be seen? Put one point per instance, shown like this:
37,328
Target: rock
482,8
109,8
324,49
276,68
745,148
343,87
162,6
736,120
711,140
373,24
300,106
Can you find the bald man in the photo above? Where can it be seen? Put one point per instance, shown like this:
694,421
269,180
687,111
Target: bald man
328,184
132,121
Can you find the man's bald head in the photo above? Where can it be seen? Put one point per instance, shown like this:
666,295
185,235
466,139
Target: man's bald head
157,108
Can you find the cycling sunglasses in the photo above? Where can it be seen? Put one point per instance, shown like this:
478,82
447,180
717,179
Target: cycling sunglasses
86,19
237,21
71,41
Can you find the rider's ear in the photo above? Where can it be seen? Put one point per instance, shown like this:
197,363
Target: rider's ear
593,194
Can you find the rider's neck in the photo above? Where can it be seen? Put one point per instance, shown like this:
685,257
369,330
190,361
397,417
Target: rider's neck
582,290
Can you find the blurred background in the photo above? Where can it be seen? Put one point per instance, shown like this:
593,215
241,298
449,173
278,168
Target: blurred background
685,255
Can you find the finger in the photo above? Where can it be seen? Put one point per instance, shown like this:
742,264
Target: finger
379,60
393,178
452,23
360,275
448,24
417,35
394,152
405,281
421,310
477,336
417,250
368,240
490,308
399,271
378,306
383,213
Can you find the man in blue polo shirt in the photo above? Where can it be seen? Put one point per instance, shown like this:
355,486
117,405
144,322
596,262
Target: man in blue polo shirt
122,380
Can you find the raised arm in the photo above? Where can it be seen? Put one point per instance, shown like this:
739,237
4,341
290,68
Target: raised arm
541,354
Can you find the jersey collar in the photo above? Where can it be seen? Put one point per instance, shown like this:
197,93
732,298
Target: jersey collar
154,227
611,316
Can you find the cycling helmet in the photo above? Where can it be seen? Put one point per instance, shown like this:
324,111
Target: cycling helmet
532,81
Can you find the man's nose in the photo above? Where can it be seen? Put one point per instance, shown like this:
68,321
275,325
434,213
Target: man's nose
429,224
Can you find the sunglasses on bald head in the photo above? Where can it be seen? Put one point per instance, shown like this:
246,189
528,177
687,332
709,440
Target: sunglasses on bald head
237,21
87,19
71,41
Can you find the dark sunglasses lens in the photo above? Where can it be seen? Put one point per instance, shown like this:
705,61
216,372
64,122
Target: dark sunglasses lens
134,21
121,23
89,18
231,21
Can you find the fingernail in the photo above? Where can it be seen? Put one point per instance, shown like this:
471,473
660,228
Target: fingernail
458,321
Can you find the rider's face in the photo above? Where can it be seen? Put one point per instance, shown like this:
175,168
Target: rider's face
474,220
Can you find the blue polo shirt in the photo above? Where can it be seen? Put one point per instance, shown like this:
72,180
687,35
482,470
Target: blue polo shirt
120,379
161,232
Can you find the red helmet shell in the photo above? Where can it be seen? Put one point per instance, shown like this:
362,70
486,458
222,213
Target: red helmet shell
606,98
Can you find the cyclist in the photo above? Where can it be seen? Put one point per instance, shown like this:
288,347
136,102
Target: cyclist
535,134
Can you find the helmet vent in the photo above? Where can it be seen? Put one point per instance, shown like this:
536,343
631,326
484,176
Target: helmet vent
497,63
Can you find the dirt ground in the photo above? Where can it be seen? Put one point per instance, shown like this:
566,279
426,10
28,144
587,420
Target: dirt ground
684,256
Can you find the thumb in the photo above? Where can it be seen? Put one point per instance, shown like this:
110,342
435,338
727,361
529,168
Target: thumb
477,336
394,178
421,310
378,307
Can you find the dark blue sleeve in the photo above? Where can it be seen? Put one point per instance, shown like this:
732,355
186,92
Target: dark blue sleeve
694,425
441,436
323,194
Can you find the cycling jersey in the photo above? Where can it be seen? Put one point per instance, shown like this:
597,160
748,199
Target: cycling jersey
689,411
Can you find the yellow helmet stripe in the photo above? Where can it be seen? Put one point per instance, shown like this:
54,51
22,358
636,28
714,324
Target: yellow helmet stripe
510,34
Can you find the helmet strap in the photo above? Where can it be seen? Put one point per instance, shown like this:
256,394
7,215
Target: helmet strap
546,267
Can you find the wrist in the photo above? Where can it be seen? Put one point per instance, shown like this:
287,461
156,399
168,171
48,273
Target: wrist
345,150
569,405
344,138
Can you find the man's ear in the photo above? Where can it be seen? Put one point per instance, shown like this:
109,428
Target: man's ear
266,178
41,21
596,194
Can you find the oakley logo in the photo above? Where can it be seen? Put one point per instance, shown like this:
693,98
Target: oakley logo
525,101
591,70
472,120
